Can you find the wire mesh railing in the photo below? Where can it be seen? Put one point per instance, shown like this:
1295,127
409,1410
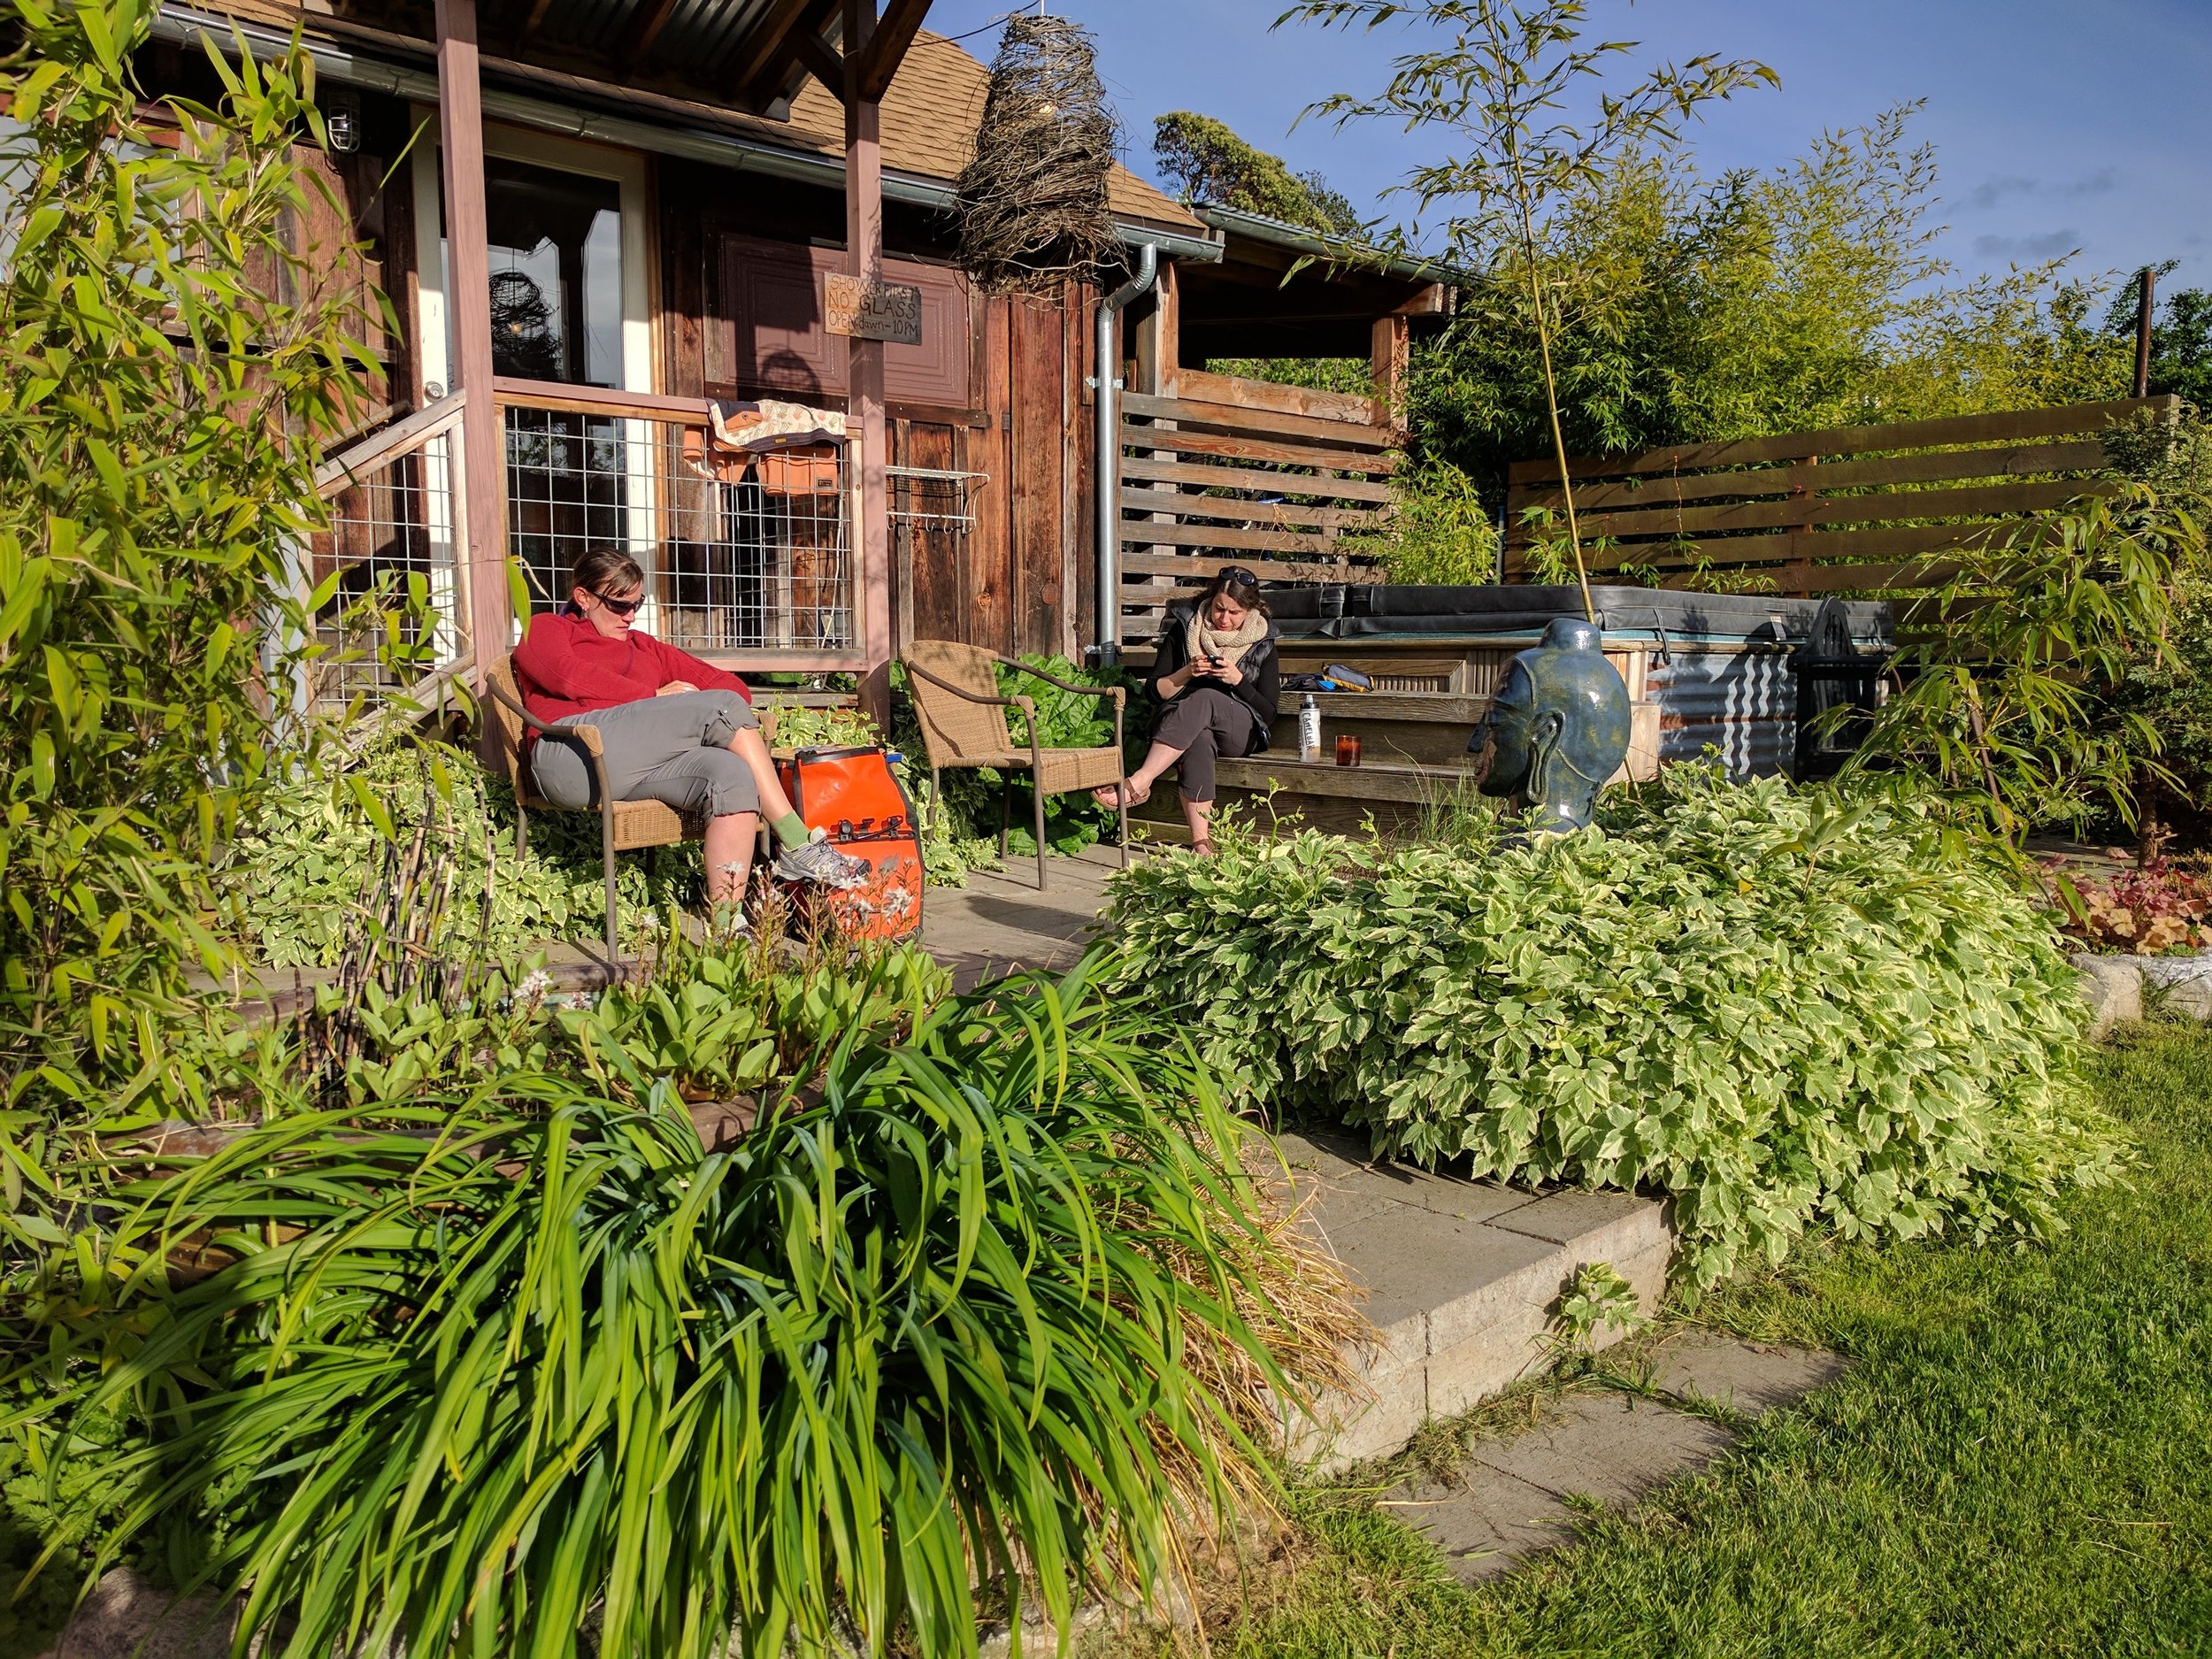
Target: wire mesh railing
389,572
742,552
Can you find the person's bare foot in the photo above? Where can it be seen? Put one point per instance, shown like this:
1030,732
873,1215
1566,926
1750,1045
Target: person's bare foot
1114,793
1202,846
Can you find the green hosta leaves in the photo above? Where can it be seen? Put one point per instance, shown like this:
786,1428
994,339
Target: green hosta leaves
1776,1009
293,877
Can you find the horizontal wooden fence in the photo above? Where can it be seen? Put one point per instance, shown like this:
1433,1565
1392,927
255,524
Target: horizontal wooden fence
1849,509
1276,479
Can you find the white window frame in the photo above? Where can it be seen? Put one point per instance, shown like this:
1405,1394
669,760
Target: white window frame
627,169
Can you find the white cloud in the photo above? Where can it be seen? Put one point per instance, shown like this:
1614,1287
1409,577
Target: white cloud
2050,245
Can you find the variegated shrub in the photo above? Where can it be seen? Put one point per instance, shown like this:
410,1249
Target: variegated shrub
1775,1008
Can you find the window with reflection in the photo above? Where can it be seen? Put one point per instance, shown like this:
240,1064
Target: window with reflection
556,274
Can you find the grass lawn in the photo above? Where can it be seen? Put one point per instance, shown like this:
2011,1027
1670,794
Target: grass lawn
2019,1462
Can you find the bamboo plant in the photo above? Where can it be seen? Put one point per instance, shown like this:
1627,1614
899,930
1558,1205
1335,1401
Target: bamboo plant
1505,82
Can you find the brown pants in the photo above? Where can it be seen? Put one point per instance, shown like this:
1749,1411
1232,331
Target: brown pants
1204,723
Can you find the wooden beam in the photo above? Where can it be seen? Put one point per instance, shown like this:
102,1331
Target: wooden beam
1387,360
648,31
1433,300
1163,440
1159,337
1254,478
469,300
887,46
863,359
823,63
1236,510
1253,416
770,47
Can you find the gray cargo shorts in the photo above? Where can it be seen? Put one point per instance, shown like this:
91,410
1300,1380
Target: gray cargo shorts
673,749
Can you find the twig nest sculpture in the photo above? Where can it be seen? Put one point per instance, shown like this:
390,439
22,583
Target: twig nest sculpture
1032,202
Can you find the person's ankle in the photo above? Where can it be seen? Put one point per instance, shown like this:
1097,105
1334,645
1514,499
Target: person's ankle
789,831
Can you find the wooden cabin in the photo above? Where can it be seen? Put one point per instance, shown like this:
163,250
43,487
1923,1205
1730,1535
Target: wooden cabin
594,221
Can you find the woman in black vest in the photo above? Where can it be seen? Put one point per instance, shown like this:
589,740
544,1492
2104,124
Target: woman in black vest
1218,682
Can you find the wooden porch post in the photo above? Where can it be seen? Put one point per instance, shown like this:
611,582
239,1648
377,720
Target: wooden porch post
863,258
1159,349
1390,340
469,304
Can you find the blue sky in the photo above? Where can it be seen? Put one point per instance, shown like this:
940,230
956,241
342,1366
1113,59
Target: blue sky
2057,125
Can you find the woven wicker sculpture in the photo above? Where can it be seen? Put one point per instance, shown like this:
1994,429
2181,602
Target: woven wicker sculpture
1032,202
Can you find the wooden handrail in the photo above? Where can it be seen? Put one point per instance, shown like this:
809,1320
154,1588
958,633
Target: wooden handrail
597,400
347,467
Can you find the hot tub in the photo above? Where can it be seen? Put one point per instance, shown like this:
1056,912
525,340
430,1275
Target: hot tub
1705,671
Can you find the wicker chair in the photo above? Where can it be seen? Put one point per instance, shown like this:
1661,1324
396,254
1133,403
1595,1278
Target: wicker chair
963,716
624,826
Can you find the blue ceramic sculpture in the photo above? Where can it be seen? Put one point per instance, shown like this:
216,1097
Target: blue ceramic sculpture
1558,727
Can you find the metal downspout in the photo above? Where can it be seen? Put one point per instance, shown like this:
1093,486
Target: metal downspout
1107,472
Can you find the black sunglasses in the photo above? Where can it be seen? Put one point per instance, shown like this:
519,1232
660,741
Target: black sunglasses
1237,573
620,607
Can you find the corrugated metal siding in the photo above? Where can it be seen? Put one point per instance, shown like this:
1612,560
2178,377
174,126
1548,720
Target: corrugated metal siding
1742,704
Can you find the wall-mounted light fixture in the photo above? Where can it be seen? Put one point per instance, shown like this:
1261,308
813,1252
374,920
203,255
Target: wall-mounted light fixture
342,120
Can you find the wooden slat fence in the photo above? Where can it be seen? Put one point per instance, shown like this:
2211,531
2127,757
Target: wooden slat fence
1849,509
1268,476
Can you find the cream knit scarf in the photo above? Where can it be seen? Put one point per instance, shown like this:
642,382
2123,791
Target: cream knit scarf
1205,639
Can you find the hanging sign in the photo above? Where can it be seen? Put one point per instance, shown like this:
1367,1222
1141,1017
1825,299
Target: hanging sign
862,310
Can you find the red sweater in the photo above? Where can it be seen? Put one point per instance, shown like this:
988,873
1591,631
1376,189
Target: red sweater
566,667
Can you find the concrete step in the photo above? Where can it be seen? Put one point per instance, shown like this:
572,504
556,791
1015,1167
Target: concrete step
1461,1279
1517,1496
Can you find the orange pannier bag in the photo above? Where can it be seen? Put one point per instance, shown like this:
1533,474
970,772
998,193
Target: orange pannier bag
853,796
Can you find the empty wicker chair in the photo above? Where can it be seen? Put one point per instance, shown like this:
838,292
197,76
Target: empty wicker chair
956,698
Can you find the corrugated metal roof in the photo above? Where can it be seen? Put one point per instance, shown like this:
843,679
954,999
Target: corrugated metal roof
929,114
1304,239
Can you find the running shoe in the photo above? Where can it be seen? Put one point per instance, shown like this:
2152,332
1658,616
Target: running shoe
822,864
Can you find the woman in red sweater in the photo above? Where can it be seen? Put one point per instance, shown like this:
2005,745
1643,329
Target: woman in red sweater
673,728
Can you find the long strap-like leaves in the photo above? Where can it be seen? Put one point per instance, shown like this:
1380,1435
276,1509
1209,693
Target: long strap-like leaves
900,1356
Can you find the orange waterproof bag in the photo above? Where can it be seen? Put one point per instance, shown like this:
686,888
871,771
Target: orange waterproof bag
853,796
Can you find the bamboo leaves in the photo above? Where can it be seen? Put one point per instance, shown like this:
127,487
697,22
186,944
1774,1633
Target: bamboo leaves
1507,83
159,416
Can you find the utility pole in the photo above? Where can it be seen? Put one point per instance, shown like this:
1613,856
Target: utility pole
2149,281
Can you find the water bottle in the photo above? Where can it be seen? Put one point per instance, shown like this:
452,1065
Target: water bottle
1310,731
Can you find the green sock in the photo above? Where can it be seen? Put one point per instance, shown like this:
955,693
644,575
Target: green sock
790,830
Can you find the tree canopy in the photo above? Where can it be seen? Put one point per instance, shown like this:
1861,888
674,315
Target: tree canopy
1207,162
1712,307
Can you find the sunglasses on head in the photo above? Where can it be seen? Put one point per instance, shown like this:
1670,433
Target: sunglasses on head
620,607
1237,573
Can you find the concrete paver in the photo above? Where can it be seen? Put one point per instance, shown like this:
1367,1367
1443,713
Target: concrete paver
1511,1497
1567,1214
1752,1377
1614,1447
1340,1166
1510,1500
1410,1260
1485,1522
1000,922
1460,1298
